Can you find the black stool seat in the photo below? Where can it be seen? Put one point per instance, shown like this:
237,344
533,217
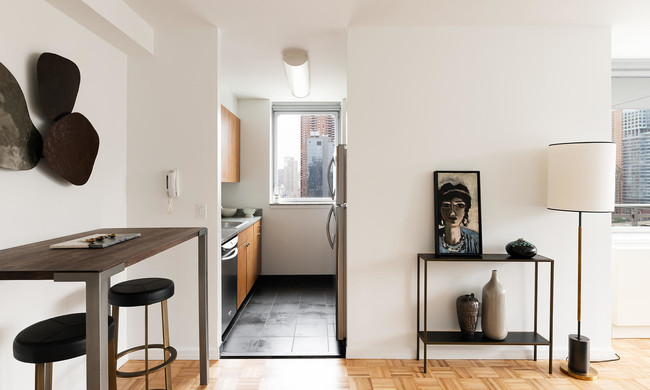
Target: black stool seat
140,292
55,339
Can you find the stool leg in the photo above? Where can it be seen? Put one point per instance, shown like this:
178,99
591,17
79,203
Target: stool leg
39,376
165,332
43,376
48,376
146,346
112,351
116,316
112,364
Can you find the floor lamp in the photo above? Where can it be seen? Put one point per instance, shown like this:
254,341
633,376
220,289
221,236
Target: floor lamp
581,179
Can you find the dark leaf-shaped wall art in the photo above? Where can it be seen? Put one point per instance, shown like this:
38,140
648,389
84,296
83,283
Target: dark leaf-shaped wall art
21,145
70,148
58,84
71,144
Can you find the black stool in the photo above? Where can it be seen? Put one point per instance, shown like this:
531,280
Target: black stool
144,292
56,339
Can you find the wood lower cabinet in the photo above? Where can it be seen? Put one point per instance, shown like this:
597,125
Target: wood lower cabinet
254,256
241,273
249,260
230,145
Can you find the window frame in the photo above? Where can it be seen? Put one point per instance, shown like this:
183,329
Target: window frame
631,70
312,108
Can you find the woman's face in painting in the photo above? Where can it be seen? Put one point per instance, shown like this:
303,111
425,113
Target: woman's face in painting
453,211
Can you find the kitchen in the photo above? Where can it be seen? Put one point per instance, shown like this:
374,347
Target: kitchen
294,235
154,146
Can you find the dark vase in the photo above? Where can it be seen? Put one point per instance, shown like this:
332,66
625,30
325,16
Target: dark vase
467,311
521,249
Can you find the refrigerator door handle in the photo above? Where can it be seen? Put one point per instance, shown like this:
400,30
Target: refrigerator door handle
330,239
330,183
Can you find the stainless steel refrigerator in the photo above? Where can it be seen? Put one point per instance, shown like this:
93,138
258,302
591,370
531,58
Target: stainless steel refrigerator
337,232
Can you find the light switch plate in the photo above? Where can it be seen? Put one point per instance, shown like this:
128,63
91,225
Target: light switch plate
202,211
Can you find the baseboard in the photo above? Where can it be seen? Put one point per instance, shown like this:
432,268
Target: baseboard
630,332
472,352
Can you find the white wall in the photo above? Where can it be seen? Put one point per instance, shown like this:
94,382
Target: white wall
228,98
630,267
294,240
173,113
463,98
36,205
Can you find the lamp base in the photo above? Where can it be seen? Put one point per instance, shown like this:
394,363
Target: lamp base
591,375
578,364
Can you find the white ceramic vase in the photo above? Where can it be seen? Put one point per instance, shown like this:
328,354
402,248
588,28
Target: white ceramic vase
493,316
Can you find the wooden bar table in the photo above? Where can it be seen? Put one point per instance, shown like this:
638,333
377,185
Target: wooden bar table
95,267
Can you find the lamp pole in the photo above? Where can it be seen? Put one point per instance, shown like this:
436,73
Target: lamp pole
579,270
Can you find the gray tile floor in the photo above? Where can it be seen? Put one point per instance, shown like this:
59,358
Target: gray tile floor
286,316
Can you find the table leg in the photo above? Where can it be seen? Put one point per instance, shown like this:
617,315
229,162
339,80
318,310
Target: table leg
417,334
203,307
536,289
426,293
97,285
550,337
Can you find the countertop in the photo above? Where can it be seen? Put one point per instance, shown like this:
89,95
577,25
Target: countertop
227,234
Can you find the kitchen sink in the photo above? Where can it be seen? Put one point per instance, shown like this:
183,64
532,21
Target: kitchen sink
232,224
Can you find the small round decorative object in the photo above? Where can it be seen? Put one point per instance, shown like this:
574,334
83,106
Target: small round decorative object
521,249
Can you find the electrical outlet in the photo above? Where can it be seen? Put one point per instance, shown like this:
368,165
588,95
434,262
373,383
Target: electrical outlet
202,211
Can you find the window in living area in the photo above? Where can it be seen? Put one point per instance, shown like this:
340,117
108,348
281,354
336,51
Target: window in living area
304,139
630,117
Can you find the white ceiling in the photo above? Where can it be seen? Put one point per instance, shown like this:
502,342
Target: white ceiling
255,32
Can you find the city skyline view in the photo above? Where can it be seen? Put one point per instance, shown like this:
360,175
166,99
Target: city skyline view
631,133
304,146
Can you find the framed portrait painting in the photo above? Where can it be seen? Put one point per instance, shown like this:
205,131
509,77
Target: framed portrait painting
457,197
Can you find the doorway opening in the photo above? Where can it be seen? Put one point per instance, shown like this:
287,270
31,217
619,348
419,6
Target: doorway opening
286,316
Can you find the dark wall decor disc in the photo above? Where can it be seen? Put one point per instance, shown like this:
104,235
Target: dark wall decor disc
58,84
21,145
70,148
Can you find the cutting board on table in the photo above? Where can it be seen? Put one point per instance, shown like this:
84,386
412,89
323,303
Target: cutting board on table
82,243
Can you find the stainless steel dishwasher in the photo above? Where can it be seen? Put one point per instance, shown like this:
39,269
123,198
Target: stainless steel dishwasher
228,282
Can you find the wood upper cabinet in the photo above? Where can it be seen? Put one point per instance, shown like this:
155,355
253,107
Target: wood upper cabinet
230,144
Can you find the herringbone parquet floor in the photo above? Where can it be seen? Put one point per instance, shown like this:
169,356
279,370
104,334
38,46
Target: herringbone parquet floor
631,372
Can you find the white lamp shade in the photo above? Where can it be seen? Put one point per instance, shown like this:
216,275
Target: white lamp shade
581,176
297,67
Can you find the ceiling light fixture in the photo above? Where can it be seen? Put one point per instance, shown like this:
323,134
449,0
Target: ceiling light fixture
296,63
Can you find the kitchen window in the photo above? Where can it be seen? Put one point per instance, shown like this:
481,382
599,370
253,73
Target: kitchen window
305,136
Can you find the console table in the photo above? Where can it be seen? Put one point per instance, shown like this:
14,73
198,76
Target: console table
454,337
95,267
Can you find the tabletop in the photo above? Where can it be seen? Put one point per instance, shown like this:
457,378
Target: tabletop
36,261
495,257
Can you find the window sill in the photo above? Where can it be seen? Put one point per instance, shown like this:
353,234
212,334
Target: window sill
301,205
630,235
